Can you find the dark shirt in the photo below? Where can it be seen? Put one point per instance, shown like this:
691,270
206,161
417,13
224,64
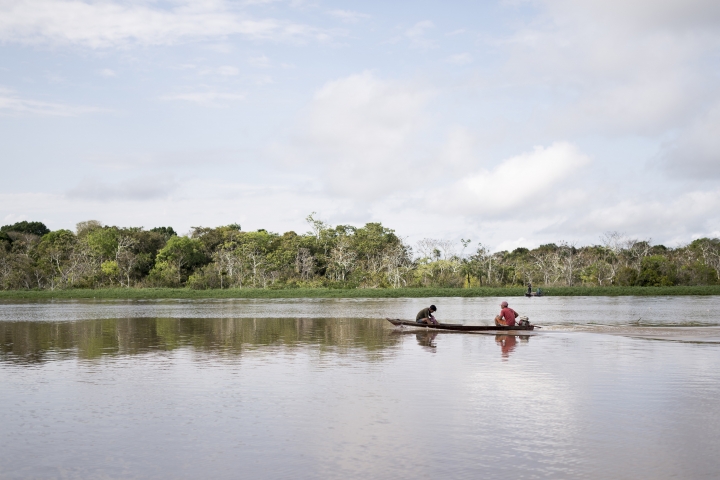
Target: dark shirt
424,313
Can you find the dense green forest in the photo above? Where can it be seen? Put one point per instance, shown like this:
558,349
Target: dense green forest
94,256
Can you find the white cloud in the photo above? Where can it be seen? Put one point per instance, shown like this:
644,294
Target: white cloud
263,80
349,16
104,24
209,98
416,34
227,70
675,15
552,215
615,67
11,218
648,106
696,151
260,61
181,204
224,71
12,103
603,75
515,182
183,158
136,189
673,218
259,2
419,29
459,59
359,134
106,72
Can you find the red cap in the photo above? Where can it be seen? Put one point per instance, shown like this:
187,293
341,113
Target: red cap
504,304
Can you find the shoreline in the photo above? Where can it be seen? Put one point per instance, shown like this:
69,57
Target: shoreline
184,293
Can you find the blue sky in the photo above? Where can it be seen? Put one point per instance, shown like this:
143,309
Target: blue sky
512,123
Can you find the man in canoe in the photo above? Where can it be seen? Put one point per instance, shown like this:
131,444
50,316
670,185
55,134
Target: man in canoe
426,316
507,316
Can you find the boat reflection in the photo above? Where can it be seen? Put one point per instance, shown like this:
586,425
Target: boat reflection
508,342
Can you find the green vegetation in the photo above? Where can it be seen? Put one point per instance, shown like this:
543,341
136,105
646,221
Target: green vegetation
159,293
331,261
186,293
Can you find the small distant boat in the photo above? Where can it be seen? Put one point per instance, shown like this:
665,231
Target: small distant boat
458,327
534,294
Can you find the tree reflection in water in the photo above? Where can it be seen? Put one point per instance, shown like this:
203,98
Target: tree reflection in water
37,342
34,342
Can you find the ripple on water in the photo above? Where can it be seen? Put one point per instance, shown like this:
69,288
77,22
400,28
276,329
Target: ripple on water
189,397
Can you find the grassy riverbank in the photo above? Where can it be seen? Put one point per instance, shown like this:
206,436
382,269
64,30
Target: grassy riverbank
160,293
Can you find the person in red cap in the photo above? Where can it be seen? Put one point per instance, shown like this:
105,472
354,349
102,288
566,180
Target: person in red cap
507,316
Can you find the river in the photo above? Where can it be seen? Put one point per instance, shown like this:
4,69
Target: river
622,387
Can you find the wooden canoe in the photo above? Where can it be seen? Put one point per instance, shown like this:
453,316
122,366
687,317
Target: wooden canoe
458,327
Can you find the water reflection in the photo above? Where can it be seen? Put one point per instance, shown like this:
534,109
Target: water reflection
309,398
558,312
427,339
33,342
508,342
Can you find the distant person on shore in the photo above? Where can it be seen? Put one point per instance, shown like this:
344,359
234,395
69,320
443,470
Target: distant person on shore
507,316
426,316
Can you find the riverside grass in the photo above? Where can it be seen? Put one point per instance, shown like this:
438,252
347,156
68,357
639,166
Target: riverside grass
186,293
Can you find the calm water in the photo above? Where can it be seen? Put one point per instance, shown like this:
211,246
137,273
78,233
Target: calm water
610,388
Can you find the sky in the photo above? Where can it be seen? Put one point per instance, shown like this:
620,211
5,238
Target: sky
510,123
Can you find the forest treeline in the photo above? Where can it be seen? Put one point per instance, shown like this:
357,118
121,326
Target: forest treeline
342,256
